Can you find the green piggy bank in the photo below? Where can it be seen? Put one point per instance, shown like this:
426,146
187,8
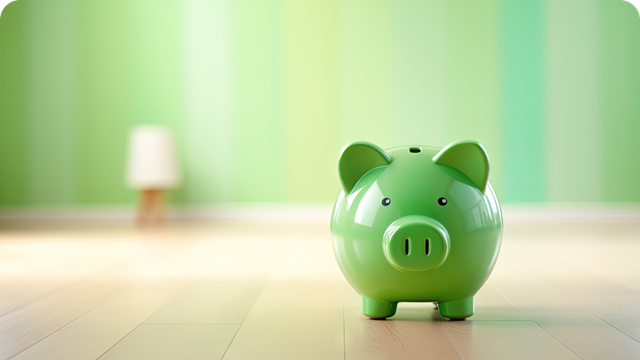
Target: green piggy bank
416,224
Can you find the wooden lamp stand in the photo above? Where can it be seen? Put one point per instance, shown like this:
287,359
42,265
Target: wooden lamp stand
151,207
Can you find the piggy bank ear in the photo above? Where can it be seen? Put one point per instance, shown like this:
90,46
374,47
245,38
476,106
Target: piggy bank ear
469,158
357,159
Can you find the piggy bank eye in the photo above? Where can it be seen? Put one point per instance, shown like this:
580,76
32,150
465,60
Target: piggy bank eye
442,201
386,202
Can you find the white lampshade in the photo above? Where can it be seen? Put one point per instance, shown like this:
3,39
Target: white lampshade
152,162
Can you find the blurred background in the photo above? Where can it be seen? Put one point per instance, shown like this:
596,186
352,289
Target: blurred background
263,94
260,96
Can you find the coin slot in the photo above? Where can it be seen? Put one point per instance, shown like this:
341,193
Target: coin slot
426,246
415,150
406,246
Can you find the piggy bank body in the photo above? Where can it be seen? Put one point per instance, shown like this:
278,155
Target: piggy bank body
416,224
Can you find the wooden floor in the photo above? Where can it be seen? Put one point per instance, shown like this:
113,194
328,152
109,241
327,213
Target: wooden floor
272,290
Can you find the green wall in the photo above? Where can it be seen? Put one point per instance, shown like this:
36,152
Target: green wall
263,94
523,102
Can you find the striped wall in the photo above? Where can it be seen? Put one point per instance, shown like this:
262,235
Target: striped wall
263,94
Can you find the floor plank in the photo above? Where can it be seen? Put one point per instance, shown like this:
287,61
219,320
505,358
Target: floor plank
587,335
22,292
34,269
579,330
210,302
293,320
491,306
508,340
174,341
91,335
619,310
27,325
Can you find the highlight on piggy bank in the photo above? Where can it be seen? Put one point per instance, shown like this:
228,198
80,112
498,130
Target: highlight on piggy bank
416,224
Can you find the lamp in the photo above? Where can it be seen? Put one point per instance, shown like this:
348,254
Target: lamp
152,167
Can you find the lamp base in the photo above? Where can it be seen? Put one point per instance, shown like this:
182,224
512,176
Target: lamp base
151,207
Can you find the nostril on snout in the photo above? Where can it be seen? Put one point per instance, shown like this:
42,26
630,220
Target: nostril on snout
426,246
406,246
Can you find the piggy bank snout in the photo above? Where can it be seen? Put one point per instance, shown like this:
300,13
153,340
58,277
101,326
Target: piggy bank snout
416,244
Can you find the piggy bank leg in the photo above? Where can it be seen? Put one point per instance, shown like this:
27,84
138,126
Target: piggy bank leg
377,309
458,309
